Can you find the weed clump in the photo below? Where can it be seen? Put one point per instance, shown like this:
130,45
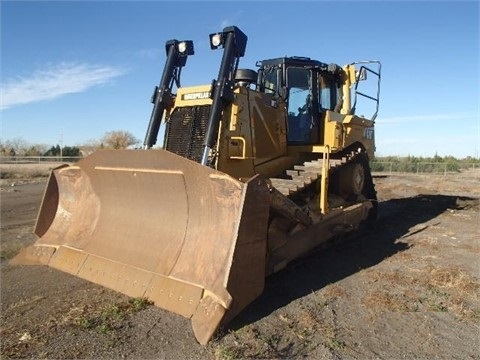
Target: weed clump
110,317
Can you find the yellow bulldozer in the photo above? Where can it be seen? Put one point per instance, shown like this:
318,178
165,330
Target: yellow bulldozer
256,169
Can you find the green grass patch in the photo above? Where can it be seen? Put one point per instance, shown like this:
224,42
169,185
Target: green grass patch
109,317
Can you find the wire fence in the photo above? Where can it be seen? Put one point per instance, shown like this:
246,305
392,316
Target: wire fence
385,167
38,159
414,167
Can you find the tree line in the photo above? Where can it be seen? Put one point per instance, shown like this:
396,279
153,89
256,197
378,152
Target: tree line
117,139
121,139
425,159
422,164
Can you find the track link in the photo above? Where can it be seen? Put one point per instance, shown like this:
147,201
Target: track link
301,176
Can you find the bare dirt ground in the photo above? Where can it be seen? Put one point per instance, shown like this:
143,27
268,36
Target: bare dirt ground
409,290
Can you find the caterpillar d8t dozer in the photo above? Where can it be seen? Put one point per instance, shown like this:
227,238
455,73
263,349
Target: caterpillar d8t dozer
256,169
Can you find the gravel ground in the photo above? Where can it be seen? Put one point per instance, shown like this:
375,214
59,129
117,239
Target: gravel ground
409,290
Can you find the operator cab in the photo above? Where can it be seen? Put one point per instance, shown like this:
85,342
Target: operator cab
309,87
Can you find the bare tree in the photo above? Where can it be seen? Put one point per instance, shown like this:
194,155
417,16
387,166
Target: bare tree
42,148
118,139
16,146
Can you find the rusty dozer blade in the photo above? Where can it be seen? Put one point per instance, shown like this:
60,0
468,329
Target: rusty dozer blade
153,224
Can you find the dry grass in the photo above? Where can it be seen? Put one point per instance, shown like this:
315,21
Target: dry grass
26,171
392,301
453,278
438,289
291,339
332,291
249,342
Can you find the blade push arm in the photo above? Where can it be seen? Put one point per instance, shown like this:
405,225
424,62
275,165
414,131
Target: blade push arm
177,53
234,41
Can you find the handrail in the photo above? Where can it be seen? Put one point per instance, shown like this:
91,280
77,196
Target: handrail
376,73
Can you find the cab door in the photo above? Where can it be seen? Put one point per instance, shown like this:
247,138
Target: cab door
302,105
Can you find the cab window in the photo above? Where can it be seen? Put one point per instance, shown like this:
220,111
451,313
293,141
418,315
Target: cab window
299,105
270,81
327,93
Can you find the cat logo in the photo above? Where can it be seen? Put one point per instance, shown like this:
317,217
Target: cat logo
196,95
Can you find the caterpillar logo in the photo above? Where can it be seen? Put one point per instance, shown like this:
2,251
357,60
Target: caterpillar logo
196,95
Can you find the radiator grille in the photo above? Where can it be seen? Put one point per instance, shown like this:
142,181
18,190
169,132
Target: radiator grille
186,131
